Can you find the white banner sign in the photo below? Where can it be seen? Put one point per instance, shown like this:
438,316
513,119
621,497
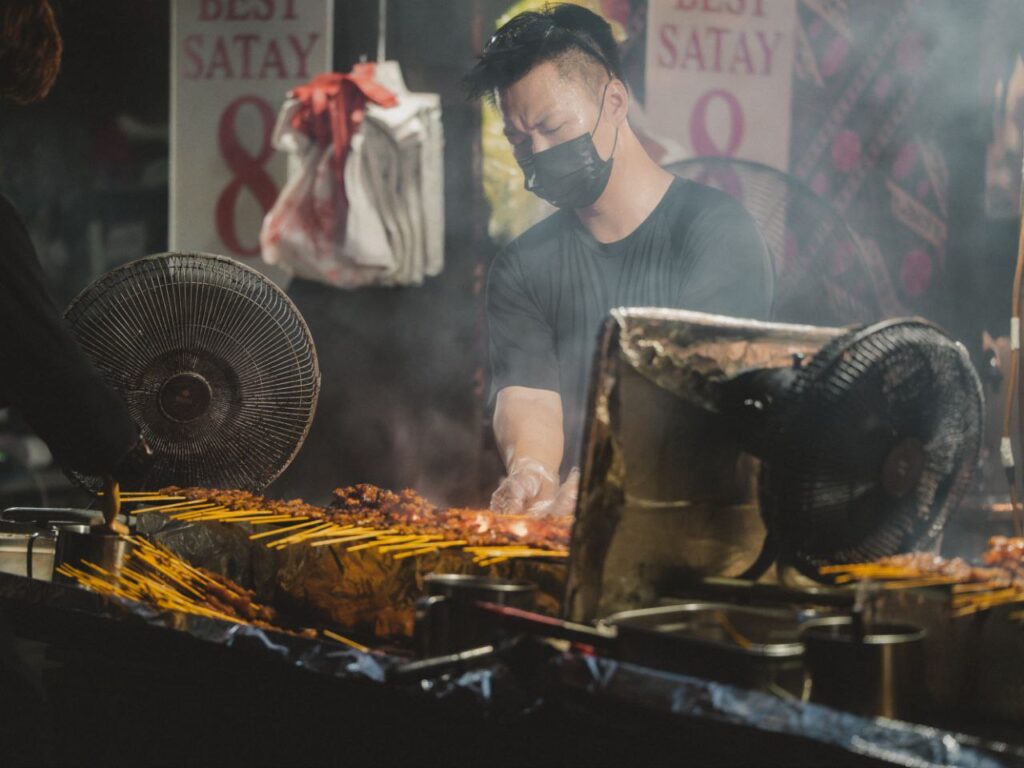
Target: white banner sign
719,76
232,62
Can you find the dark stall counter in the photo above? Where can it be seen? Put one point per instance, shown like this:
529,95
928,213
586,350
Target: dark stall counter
118,684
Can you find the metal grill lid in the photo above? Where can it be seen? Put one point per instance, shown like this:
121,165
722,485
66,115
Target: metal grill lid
215,363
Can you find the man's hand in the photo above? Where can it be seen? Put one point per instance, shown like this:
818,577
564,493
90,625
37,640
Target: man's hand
528,429
528,484
563,503
533,489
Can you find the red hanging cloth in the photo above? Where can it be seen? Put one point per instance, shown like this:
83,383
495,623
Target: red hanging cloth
332,106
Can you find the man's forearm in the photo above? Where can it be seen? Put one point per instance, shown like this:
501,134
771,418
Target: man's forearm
528,424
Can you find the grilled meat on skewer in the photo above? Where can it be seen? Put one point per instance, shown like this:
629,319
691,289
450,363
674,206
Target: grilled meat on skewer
405,512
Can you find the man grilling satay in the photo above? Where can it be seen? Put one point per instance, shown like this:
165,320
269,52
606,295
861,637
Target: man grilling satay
627,233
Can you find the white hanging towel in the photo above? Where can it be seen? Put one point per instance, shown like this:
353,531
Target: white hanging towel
416,137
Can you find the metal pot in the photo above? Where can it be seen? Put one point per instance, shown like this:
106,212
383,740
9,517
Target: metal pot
27,546
878,673
447,619
750,647
91,545
28,537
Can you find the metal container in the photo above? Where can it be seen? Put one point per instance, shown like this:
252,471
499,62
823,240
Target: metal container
26,550
879,673
44,516
750,647
76,547
29,535
447,619
28,541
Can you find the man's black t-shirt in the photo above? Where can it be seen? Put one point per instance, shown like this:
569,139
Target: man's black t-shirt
550,289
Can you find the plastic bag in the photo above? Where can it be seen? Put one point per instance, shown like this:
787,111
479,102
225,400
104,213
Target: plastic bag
324,226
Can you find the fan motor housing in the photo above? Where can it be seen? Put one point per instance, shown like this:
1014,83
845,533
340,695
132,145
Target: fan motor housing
185,397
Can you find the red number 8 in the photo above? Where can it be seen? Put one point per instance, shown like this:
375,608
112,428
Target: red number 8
249,171
704,145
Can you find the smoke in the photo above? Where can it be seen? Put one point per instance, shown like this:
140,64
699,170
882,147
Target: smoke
398,404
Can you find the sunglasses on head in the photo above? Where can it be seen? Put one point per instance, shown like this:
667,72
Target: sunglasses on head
520,30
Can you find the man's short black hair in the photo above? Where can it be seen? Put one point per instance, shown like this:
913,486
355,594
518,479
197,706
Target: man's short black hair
568,34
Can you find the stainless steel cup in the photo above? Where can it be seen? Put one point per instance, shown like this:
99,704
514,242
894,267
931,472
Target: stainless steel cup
76,547
878,674
447,619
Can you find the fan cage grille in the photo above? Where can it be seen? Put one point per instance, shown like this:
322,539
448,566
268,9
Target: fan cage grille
224,324
861,396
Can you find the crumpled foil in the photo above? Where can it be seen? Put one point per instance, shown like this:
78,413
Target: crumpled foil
888,741
315,655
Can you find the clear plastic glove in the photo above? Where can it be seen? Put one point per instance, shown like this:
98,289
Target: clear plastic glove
529,482
563,502
533,489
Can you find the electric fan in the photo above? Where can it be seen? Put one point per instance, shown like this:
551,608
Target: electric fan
867,448
822,273
215,363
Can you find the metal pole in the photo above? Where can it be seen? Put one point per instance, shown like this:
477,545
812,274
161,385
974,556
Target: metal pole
382,29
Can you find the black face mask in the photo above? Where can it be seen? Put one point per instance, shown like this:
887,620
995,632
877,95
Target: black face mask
570,174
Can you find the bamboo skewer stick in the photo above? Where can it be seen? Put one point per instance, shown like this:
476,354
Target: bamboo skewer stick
181,505
227,515
429,549
345,641
1001,595
266,520
329,531
129,499
205,512
172,507
413,544
381,540
279,531
223,513
981,586
416,552
297,537
347,538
